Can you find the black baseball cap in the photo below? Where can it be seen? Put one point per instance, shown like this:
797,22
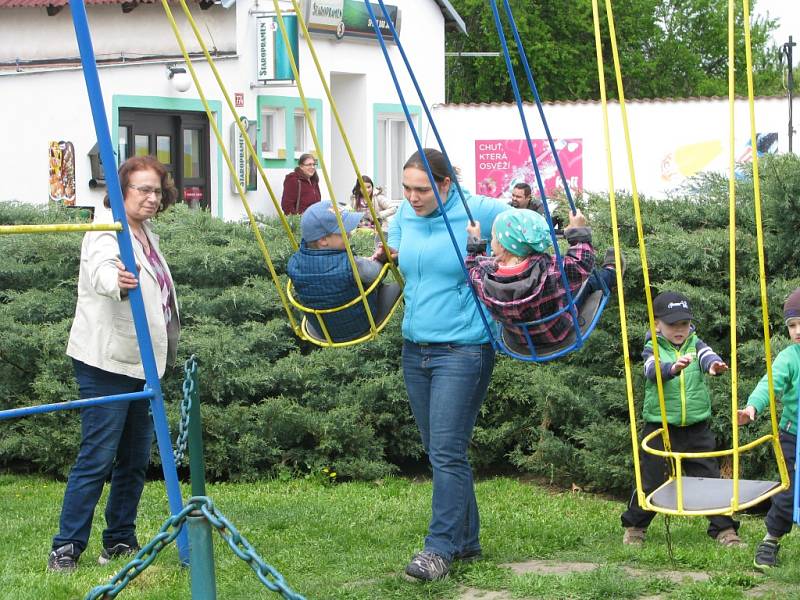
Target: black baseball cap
672,307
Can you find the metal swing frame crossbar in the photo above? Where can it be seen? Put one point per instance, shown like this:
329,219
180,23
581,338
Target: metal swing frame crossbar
59,228
299,329
673,489
523,327
152,389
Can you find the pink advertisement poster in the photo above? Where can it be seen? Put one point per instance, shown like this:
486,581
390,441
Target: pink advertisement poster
501,164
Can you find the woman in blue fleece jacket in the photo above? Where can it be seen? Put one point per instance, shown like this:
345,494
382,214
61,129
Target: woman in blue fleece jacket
447,355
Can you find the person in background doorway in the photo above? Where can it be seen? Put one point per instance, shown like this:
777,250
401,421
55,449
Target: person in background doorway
301,187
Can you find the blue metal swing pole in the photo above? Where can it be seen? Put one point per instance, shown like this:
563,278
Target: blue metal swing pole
518,97
440,203
153,386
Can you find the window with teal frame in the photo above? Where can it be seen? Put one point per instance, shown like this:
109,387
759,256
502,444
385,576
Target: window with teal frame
279,142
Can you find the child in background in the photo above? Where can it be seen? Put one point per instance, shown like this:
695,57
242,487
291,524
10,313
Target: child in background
384,207
684,359
786,382
521,282
323,277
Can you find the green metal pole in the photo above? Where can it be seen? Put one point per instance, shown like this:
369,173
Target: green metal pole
201,562
201,546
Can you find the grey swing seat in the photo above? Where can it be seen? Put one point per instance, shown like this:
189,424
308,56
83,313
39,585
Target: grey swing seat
703,494
587,319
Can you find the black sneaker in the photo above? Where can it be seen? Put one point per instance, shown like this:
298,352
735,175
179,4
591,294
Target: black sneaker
766,555
117,551
63,559
468,556
609,262
427,566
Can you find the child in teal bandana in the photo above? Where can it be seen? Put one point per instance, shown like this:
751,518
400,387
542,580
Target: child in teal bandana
521,281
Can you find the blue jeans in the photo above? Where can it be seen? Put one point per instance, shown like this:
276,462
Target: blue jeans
115,441
780,517
593,284
446,386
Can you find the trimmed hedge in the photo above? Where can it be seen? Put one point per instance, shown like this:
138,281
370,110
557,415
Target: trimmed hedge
274,405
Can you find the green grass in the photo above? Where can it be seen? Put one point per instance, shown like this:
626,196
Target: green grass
352,541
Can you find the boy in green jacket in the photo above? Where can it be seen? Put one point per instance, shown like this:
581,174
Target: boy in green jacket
684,358
786,382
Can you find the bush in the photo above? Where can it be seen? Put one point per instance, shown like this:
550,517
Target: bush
274,405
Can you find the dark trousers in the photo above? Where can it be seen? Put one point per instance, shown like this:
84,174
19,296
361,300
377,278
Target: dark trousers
655,471
779,518
115,442
593,284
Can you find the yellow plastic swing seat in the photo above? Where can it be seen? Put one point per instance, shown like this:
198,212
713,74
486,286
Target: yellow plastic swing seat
313,327
388,298
703,495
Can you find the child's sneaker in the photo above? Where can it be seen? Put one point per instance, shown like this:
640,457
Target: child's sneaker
609,262
63,559
766,555
634,536
730,539
427,566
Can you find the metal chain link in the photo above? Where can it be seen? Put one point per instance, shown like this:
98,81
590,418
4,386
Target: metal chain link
189,395
268,575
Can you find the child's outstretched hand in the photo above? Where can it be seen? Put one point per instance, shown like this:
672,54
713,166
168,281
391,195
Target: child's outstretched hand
576,220
474,230
717,368
680,364
380,254
746,415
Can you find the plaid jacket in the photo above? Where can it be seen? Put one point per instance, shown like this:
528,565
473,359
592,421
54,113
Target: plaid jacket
538,291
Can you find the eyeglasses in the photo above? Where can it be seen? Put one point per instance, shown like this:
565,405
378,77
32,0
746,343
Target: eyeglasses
146,190
310,164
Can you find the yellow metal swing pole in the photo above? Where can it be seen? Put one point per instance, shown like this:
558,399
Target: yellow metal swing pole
213,123
313,130
640,235
762,277
350,153
58,228
617,254
242,130
732,246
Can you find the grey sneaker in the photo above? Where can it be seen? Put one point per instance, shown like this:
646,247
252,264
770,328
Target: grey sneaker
766,555
427,566
63,559
117,551
730,539
634,536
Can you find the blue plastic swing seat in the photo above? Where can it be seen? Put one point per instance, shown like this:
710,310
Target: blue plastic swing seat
701,494
588,317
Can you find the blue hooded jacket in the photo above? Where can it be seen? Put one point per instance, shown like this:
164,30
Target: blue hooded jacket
439,305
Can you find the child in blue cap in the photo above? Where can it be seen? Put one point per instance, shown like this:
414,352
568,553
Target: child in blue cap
323,277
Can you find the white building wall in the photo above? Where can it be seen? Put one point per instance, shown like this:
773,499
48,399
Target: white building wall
51,104
669,138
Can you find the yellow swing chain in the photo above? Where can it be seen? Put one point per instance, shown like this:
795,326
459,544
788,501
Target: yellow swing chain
231,168
639,233
340,126
762,275
313,130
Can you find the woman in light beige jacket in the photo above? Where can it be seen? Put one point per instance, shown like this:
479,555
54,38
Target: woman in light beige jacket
116,437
